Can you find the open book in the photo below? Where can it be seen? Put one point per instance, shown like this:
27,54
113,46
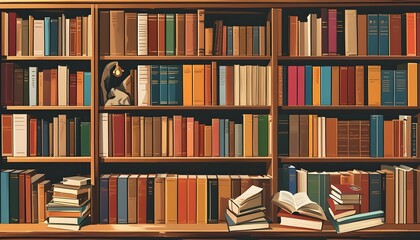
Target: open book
298,203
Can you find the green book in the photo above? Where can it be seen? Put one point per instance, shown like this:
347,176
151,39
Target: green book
85,138
314,187
14,196
170,35
324,190
262,135
26,86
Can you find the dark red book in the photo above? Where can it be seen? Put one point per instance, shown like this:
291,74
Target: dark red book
184,137
32,137
229,85
324,31
47,87
343,85
18,87
141,199
7,75
22,213
364,203
118,122
127,135
351,85
347,189
72,89
152,33
301,85
113,199
395,34
201,140
161,34
332,31
192,199
12,34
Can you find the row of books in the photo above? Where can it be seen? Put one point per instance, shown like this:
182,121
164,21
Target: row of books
392,189
172,198
315,136
138,136
24,136
23,196
48,87
199,85
46,37
344,32
350,85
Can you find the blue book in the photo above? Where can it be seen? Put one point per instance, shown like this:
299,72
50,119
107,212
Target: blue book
292,179
255,41
376,136
374,191
373,48
226,137
324,190
54,37
325,85
230,40
51,206
103,199
122,206
222,138
308,85
222,85
154,85
384,34
387,87
87,83
4,195
47,32
361,217
413,140
174,84
45,138
163,82
400,88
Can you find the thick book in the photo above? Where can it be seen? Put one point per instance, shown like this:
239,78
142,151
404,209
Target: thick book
373,34
383,21
259,223
358,221
116,29
299,221
288,202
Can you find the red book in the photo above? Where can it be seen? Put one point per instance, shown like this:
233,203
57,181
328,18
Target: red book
418,33
152,32
182,199
207,84
292,85
47,87
32,137
161,34
215,132
127,131
347,189
196,138
28,195
332,31
112,189
7,134
300,85
395,34
141,198
351,85
177,136
229,85
7,76
72,89
190,137
343,85
118,132
192,199
22,214
201,140
184,137
364,206
12,34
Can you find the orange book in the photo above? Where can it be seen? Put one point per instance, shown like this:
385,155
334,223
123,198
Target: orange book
316,88
293,35
247,135
187,85
388,139
79,91
190,137
225,190
207,141
196,144
215,125
411,34
207,84
374,85
412,79
191,199
198,85
182,199
202,199
360,85
177,136
331,137
346,178
171,203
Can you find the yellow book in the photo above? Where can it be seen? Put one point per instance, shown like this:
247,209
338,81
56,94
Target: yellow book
316,90
208,45
201,199
310,136
374,85
412,79
171,204
247,135
187,85
198,85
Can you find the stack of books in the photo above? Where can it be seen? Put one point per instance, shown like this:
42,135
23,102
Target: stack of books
70,207
344,204
298,210
246,212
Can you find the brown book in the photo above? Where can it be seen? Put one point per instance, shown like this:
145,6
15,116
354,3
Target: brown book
395,34
280,85
201,145
47,87
152,33
180,33
279,16
262,40
343,138
362,35
351,85
190,137
18,87
27,197
224,41
242,40
141,198
196,138
294,143
104,35
247,135
184,137
207,84
127,134
73,77
410,196
235,186
215,125
225,192
229,86
217,37
248,40
293,35
32,137
200,31
207,141
364,138
21,200
44,197
231,138
354,138
343,85
40,88
208,42
116,29
78,36
161,34
390,195
73,38
135,134
303,135
190,34
54,88
255,135
72,138
360,85
159,198
335,86
130,34
416,195
246,182
148,137
388,139
112,194
235,37
132,198
51,139
62,136
331,136
177,136
7,135
157,136
214,83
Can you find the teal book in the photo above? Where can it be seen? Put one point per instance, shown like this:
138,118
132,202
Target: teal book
308,85
47,34
374,191
313,187
344,224
324,190
400,88
325,85
163,82
376,135
373,26
4,196
154,85
170,34
255,41
14,196
122,199
26,86
387,87
54,37
262,135
226,137
175,84
384,34
361,217
87,83
230,40
222,85
85,139
222,138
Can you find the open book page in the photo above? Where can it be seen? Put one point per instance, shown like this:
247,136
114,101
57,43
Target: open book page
248,194
285,200
306,207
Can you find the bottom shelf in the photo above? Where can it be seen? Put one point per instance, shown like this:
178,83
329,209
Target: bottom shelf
199,230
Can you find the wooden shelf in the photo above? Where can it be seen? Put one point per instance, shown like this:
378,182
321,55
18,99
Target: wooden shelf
47,58
216,231
48,108
186,58
49,159
182,108
348,160
184,159
350,107
349,58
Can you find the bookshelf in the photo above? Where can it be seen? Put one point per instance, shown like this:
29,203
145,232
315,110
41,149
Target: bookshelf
96,164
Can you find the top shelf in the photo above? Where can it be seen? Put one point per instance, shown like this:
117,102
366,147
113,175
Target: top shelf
47,58
349,58
187,58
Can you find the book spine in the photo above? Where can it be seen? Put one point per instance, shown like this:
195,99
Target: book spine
374,192
387,87
414,139
122,201
325,85
155,86
150,201
400,88
87,88
383,34
4,197
85,139
103,200
170,34
222,85
308,85
212,201
332,31
163,83
373,34
47,34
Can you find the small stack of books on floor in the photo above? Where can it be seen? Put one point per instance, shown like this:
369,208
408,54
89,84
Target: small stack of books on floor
70,206
344,207
298,210
246,212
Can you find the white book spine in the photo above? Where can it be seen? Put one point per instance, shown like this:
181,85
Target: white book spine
33,83
67,37
20,135
38,37
62,85
103,135
236,85
319,37
142,34
89,36
143,85
268,81
248,85
254,98
308,26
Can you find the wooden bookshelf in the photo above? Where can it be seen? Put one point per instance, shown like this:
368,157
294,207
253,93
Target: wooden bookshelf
187,58
349,107
48,58
49,159
49,108
348,160
184,159
349,58
183,108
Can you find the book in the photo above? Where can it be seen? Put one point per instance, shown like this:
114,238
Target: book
358,221
300,221
259,223
298,203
